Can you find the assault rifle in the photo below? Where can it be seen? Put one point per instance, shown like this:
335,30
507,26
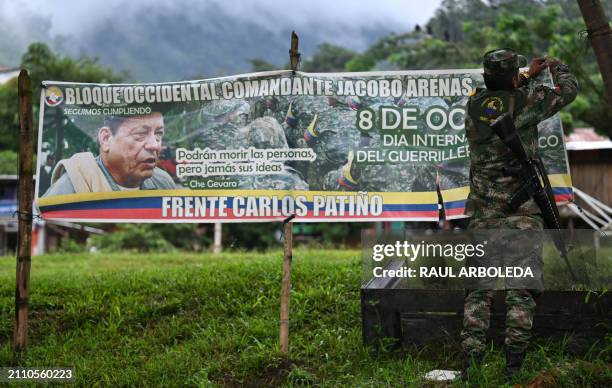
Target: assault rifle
535,183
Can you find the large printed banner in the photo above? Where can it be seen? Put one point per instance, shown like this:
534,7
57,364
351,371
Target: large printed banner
265,146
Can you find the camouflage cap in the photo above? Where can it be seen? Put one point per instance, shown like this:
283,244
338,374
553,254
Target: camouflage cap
502,61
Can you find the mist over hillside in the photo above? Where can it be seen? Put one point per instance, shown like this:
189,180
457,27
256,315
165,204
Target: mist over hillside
166,41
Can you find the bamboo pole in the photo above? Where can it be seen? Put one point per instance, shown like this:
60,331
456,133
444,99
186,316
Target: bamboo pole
294,58
24,246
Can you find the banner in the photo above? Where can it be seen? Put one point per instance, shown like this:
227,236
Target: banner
377,146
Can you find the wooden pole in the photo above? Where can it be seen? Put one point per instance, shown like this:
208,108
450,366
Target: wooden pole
294,54
600,36
218,234
286,287
294,58
24,246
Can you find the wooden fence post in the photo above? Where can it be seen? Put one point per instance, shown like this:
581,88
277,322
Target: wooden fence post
294,58
217,237
24,247
286,286
294,54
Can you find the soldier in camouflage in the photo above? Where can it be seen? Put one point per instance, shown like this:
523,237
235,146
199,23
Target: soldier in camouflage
325,124
272,106
266,133
219,124
392,177
454,173
491,186
229,124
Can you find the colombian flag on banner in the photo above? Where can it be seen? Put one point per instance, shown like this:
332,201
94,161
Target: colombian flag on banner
238,206
454,200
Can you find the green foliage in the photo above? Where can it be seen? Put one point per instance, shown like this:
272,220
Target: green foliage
9,119
462,30
338,234
8,162
69,246
187,237
153,238
328,58
43,64
261,65
431,53
258,236
447,22
132,237
361,62
552,34
300,377
263,236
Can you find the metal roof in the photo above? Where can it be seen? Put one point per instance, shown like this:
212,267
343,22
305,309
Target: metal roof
586,139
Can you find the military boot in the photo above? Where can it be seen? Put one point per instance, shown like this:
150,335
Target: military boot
514,362
470,360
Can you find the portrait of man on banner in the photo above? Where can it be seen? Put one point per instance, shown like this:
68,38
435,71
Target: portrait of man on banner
129,151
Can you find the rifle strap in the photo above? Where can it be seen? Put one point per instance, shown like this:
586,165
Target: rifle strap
525,193
522,195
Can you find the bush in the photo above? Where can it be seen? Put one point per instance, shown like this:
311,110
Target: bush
69,246
133,237
259,236
8,162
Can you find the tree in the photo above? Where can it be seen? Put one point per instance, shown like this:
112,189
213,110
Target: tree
533,28
362,62
547,31
8,162
328,58
43,64
261,65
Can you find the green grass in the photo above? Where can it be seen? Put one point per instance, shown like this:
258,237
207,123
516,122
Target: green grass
204,320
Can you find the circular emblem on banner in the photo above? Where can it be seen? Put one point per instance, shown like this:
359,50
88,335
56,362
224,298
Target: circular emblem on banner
53,96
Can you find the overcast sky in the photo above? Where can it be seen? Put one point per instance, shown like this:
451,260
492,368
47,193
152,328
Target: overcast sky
198,37
68,17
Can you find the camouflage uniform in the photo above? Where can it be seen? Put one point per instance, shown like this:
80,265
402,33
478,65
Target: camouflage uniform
327,125
272,106
490,189
266,133
454,174
219,125
226,124
392,177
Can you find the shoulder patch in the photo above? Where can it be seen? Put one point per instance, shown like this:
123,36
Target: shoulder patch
491,108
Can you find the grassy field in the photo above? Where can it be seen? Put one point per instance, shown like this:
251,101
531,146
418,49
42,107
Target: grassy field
204,320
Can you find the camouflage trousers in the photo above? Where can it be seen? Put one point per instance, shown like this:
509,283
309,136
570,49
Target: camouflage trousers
520,307
520,303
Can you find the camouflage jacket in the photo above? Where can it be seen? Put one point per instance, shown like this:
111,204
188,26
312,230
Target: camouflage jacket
490,190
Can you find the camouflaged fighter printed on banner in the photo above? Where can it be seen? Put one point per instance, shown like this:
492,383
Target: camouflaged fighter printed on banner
265,146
